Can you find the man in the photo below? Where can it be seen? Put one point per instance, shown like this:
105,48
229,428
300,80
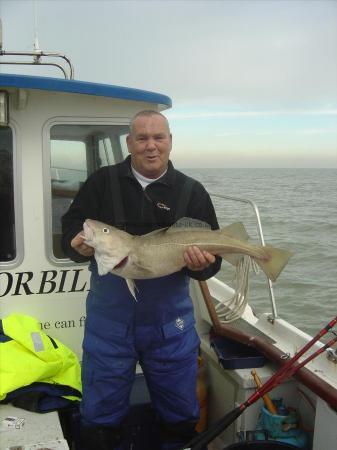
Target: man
139,195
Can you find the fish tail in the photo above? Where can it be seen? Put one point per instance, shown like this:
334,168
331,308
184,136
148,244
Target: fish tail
275,262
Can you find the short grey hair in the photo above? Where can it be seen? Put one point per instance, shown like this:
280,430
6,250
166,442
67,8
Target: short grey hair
147,113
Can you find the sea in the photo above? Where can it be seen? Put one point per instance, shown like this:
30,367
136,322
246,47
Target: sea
298,212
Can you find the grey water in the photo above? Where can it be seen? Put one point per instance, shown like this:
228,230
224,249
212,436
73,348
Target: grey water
298,211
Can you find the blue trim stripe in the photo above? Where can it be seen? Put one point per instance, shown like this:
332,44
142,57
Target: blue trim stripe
82,87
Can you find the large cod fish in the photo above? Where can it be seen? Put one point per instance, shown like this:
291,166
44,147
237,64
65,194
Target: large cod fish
161,252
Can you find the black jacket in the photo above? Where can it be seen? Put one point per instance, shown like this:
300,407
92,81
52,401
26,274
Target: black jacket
140,211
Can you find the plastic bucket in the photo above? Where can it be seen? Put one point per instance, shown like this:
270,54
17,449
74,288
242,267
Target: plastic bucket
275,425
260,445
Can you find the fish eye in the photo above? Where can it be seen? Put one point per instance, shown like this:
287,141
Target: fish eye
106,230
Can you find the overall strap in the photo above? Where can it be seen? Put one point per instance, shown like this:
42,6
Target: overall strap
185,196
117,202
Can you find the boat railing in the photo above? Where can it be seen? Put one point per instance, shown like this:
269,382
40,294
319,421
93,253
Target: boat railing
37,54
261,238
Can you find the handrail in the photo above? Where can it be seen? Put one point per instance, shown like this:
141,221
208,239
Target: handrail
259,228
37,55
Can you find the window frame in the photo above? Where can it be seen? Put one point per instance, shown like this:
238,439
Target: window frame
46,162
18,211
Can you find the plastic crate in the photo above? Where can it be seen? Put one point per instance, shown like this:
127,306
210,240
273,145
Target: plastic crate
234,355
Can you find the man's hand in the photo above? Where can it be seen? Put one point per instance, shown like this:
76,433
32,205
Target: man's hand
78,244
197,259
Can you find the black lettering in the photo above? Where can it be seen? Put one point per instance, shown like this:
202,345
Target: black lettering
9,283
44,325
65,324
22,283
74,285
62,281
44,281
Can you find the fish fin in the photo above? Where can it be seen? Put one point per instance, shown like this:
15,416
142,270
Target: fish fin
132,287
180,225
143,265
277,259
236,230
153,233
188,222
232,258
103,264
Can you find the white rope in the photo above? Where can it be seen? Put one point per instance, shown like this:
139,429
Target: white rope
234,307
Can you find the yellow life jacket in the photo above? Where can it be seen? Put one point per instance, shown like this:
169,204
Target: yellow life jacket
29,357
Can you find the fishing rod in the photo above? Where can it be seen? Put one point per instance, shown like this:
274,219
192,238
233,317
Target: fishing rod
316,384
207,436
289,369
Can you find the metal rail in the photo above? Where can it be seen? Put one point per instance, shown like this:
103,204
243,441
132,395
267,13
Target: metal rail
37,55
259,229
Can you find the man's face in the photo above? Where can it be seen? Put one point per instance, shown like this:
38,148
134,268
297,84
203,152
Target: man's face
149,144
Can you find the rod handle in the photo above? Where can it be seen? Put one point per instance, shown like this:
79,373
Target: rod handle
266,399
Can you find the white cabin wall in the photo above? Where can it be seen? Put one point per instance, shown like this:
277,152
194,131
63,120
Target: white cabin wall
61,313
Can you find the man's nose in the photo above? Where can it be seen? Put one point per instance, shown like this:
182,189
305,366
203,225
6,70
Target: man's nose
150,144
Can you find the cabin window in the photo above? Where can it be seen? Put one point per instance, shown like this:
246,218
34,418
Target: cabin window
7,216
76,152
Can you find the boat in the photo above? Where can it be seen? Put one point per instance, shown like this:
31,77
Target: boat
54,132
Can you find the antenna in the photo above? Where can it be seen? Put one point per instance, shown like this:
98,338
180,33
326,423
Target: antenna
36,40
37,50
0,35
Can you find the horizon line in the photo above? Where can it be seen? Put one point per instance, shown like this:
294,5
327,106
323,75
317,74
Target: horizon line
266,168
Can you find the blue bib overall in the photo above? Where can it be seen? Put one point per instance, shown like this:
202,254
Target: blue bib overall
157,330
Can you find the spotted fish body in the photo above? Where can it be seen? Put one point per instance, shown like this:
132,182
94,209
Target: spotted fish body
161,252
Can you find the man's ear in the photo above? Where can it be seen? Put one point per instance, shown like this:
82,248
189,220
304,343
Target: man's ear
128,139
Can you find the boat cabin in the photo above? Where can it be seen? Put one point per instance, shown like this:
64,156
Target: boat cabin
59,132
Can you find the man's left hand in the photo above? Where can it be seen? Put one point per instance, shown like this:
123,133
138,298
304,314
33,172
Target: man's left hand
197,259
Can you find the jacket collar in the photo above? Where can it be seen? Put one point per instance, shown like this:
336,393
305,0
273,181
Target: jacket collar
167,179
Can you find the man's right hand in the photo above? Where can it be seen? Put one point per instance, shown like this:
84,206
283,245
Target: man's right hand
78,244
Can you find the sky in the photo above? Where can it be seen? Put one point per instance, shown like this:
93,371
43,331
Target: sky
253,82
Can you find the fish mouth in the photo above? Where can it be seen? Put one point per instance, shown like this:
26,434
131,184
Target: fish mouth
121,263
88,233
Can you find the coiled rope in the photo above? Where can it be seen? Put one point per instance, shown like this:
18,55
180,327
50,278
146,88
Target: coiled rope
232,309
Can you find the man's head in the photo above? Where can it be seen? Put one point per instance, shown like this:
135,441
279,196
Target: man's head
149,143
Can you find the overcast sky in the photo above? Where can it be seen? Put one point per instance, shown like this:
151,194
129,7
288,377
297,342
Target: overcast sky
253,83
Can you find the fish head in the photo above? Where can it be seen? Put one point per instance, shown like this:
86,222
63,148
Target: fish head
112,246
